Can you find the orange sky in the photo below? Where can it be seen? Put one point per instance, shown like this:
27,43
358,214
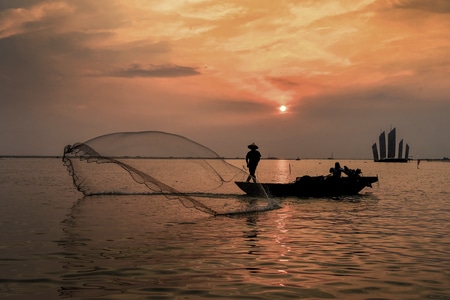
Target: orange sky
217,71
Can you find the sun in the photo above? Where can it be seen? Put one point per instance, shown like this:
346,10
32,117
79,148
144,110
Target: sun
282,108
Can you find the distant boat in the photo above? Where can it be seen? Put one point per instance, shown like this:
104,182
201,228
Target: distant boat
390,157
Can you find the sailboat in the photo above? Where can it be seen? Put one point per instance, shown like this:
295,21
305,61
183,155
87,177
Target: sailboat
390,157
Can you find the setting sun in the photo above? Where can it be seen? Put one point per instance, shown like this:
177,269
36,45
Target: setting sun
282,108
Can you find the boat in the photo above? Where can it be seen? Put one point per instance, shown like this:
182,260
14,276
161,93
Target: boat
311,186
390,157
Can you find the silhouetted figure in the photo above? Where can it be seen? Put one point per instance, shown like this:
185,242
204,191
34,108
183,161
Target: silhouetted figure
252,158
337,170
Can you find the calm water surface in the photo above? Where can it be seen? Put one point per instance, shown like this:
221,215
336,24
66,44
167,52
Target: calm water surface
392,242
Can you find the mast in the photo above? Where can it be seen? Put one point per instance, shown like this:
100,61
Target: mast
400,149
382,140
391,143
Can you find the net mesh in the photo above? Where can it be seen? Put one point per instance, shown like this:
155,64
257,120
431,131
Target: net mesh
159,163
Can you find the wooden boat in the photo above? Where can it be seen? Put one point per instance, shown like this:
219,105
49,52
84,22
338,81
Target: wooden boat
310,186
390,149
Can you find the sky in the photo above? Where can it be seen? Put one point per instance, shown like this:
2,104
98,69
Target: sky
217,72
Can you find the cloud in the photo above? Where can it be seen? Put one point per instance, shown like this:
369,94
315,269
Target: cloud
4,5
435,6
153,71
213,12
15,21
236,107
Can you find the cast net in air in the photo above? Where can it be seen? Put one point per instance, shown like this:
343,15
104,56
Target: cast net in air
164,164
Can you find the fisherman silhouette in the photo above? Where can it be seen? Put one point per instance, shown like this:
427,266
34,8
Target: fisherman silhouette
252,159
337,170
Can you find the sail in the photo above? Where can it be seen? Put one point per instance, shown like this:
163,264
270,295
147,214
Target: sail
391,143
400,149
375,152
387,148
382,145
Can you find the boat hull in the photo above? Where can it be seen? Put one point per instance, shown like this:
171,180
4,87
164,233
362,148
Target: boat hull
393,160
308,186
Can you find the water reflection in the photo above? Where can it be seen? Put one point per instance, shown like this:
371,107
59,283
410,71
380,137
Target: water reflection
386,245
251,234
281,171
113,243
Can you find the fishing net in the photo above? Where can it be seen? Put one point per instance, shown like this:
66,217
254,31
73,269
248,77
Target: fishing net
158,163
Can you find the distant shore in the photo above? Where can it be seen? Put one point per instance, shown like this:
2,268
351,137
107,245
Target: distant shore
445,159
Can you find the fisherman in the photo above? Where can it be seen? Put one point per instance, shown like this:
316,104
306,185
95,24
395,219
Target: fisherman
252,159
337,170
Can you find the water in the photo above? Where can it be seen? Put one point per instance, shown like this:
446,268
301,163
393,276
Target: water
390,243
